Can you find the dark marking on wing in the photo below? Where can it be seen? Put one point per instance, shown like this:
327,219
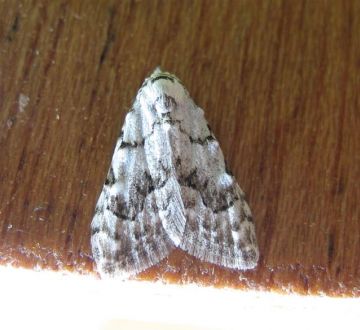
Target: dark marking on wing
110,179
135,144
206,140
162,76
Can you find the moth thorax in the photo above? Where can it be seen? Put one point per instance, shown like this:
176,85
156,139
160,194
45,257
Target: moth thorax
165,104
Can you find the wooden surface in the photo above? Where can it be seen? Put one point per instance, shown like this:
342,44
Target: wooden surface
279,83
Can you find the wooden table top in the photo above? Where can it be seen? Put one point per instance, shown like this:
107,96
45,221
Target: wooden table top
279,82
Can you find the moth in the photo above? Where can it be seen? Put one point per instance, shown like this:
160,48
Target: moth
168,187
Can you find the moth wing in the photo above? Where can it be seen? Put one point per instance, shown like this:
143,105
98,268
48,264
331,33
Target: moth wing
127,234
219,227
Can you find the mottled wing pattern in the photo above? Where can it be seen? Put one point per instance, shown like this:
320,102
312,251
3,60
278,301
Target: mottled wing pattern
168,187
127,234
219,227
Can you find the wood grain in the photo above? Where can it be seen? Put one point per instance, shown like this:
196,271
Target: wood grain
279,82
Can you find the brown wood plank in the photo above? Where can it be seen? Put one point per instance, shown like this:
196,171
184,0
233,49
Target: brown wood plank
278,80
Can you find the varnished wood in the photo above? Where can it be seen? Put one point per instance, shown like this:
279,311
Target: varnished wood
279,83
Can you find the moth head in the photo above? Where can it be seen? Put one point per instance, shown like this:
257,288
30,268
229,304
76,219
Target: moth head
163,92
